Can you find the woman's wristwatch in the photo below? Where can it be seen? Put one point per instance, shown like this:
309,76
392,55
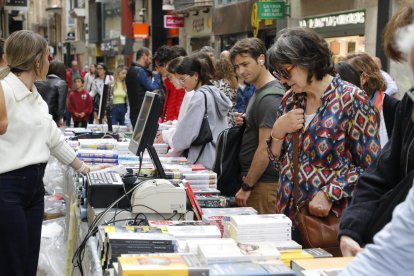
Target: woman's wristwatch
246,187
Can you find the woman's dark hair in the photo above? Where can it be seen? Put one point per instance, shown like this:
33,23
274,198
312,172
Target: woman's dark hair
302,47
363,63
198,63
104,66
348,73
57,68
172,65
224,70
179,51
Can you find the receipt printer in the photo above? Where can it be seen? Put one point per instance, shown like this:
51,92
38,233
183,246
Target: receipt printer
159,195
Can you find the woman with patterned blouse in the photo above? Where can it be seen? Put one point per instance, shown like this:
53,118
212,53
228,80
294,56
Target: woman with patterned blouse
337,125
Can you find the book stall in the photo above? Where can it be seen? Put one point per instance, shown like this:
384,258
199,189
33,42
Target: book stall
132,221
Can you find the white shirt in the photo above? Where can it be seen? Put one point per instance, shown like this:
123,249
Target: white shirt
97,85
391,85
32,135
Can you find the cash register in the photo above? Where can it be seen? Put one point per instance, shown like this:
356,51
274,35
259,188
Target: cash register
150,195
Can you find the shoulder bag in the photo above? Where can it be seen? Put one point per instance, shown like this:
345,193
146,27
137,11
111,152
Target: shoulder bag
316,232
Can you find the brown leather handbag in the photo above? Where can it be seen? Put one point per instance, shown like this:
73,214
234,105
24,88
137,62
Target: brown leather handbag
314,231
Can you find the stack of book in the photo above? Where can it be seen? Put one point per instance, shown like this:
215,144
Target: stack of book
139,243
96,156
188,229
219,215
115,240
162,264
98,144
271,227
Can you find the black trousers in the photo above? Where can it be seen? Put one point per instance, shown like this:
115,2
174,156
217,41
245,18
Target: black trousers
21,215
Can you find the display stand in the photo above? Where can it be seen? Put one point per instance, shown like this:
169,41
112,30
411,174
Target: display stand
156,161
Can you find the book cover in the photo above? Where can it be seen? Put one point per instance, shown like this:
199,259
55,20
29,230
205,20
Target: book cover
191,246
249,269
193,202
194,231
229,252
255,221
320,264
163,223
163,264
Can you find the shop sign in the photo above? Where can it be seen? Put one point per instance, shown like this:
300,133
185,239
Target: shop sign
198,25
350,18
173,21
141,30
271,10
17,5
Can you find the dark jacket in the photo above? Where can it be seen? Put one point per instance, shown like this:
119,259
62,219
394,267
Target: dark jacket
394,164
138,81
389,106
54,90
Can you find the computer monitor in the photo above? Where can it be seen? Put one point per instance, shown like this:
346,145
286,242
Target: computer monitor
146,129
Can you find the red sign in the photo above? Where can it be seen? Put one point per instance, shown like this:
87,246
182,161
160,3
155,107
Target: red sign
173,21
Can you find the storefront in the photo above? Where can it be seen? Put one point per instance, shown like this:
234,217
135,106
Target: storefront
197,30
344,32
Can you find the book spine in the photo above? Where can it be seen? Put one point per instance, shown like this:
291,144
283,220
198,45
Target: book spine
150,242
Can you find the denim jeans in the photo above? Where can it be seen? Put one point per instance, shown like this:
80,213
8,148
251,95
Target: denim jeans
21,215
118,114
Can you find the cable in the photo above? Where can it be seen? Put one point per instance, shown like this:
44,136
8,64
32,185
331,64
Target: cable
77,257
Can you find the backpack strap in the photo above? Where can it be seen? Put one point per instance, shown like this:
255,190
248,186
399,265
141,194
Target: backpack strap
279,90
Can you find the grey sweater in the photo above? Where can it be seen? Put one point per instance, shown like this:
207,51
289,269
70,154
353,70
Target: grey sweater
218,105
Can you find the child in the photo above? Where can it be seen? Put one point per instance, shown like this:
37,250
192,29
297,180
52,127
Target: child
80,104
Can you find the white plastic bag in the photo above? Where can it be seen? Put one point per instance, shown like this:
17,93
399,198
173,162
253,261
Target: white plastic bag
52,257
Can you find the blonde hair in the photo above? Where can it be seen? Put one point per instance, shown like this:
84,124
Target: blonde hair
22,50
117,81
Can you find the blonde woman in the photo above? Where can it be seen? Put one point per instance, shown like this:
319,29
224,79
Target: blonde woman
119,104
31,137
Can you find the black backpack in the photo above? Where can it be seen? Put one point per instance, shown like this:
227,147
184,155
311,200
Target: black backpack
227,164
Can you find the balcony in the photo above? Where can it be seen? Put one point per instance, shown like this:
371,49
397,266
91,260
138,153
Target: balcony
184,6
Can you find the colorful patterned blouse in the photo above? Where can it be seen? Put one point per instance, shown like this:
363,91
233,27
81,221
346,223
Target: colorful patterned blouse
339,143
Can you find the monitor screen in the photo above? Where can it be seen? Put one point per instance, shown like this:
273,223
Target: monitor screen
146,126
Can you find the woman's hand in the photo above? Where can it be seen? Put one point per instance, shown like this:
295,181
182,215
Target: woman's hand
159,139
349,247
99,167
320,205
288,123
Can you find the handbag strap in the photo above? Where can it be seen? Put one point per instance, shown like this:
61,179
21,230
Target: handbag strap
295,156
295,138
205,103
205,116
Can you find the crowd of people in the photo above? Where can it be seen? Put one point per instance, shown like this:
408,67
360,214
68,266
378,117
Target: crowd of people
336,128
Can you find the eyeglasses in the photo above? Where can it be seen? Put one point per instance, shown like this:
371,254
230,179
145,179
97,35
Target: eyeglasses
283,72
182,80
99,68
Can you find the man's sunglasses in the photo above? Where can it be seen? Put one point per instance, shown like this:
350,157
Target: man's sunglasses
283,72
